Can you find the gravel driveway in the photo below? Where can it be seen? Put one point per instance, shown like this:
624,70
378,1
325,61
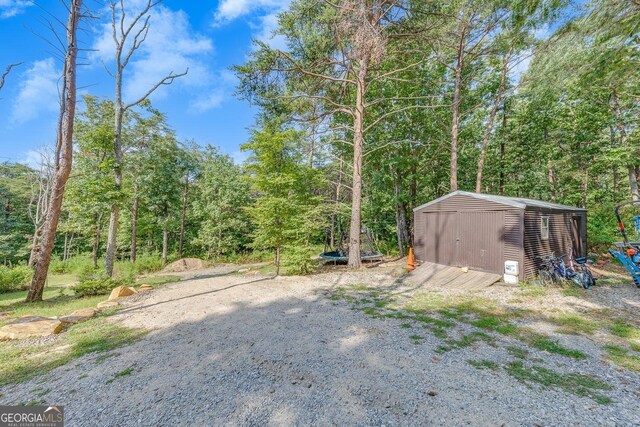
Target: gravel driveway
251,350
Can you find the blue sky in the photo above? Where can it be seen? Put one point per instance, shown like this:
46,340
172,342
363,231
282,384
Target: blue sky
208,37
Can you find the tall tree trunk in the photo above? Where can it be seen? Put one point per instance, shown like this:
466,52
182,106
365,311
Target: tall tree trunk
34,248
134,228
63,158
183,219
96,240
552,181
114,218
277,261
455,106
165,237
358,153
492,117
165,245
633,178
633,183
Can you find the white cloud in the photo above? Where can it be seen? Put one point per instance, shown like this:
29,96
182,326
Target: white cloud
228,10
208,102
268,24
10,8
170,46
38,92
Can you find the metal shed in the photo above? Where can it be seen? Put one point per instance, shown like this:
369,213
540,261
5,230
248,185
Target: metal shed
482,231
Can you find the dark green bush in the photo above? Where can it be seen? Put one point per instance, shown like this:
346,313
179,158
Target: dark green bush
14,279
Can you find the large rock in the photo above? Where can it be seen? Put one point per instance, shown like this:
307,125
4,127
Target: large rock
185,264
121,291
106,305
79,315
30,326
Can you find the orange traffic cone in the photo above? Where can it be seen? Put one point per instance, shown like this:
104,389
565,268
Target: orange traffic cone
411,262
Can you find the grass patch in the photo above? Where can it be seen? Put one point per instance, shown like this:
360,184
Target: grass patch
544,343
496,324
52,307
483,364
527,290
517,352
621,357
577,384
416,339
573,324
466,341
572,292
406,326
622,329
121,374
22,363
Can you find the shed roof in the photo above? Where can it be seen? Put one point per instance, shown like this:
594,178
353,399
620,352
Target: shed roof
516,202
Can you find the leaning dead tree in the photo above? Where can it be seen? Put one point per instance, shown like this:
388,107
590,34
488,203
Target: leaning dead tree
128,35
63,154
39,201
4,75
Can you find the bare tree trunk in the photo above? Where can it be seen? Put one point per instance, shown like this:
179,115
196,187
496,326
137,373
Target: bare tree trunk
455,106
183,219
96,240
134,228
552,181
358,152
277,261
492,117
633,178
165,245
63,157
633,183
128,36
165,236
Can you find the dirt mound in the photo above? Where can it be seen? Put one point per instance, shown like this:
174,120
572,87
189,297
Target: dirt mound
184,264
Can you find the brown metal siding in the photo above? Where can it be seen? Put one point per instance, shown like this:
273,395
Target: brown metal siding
480,240
560,239
513,238
461,202
440,238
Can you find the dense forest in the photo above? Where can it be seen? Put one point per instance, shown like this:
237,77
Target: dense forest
374,108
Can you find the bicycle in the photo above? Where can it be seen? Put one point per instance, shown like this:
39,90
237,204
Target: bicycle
580,276
546,273
555,270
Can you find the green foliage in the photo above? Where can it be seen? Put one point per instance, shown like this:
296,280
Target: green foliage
14,279
286,212
222,196
96,284
297,261
79,264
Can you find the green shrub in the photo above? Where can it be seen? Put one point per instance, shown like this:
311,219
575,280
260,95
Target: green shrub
14,279
297,261
95,284
79,264
148,263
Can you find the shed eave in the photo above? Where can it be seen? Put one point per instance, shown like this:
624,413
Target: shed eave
474,195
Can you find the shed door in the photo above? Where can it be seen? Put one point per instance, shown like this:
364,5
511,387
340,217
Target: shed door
441,237
576,236
481,240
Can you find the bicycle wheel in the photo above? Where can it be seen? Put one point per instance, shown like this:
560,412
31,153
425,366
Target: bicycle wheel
545,278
